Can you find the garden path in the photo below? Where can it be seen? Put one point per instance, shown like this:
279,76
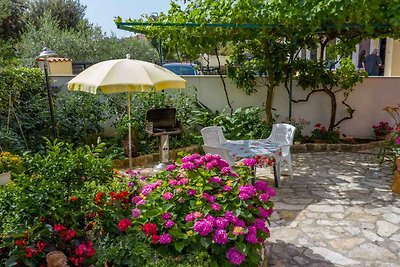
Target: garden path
337,210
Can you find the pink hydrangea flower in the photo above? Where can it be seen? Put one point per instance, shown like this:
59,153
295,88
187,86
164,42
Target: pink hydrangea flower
398,141
251,238
165,239
167,195
221,223
173,182
247,192
171,167
208,197
166,216
215,207
192,192
190,217
187,166
227,188
230,216
226,170
198,214
169,223
203,227
183,181
220,237
261,186
135,199
215,179
235,257
136,213
237,230
264,197
250,162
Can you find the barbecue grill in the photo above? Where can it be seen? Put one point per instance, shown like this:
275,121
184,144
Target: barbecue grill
162,122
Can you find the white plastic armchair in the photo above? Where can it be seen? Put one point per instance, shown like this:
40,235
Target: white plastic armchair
283,135
223,152
213,136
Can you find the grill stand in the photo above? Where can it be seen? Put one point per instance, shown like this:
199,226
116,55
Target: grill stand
164,152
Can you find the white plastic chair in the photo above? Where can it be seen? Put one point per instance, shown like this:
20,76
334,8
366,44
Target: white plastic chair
282,134
223,152
213,136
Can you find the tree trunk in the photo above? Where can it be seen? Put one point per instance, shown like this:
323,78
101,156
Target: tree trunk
333,109
268,103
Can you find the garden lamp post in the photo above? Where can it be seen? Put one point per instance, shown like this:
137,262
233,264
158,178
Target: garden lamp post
45,54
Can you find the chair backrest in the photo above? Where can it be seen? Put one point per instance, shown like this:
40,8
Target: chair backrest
223,152
282,134
213,136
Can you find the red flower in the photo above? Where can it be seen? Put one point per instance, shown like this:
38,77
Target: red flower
30,252
123,224
73,199
21,242
150,229
98,197
58,228
69,234
318,125
118,196
75,261
155,239
40,245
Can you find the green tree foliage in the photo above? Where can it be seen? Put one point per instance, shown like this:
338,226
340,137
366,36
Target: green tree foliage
77,45
273,33
69,13
84,44
11,18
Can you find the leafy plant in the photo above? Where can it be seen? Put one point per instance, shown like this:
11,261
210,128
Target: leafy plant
382,129
299,124
200,205
61,162
322,134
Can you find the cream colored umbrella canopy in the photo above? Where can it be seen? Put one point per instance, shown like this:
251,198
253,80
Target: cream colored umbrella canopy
125,75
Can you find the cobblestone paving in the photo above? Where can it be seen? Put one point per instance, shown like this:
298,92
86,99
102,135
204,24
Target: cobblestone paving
337,210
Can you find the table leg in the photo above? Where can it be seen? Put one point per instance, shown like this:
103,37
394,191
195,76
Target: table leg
277,173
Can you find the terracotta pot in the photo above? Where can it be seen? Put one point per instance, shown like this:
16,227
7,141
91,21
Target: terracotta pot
398,163
5,178
396,182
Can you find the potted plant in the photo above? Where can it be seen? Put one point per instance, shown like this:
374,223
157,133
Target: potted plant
381,130
9,163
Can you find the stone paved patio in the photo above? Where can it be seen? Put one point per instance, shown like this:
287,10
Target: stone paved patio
337,210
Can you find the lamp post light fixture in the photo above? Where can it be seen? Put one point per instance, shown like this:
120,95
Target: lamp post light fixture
45,54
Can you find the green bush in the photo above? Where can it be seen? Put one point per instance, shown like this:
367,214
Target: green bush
245,123
62,163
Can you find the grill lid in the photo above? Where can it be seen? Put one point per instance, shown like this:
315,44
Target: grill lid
162,117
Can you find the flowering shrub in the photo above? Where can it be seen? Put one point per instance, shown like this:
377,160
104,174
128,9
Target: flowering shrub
382,129
390,149
394,112
321,133
201,205
10,162
31,247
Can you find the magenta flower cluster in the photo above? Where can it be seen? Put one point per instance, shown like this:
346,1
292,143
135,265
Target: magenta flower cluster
203,198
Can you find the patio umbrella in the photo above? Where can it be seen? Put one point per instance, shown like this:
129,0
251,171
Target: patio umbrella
125,75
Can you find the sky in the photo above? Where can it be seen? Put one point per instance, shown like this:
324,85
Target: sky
103,12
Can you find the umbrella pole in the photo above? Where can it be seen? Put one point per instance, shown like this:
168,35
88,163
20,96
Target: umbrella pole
129,131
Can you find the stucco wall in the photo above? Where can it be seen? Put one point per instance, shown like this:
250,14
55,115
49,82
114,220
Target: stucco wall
367,99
